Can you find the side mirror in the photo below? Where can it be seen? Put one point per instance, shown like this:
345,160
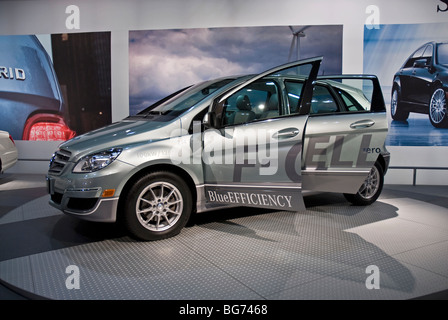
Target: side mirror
421,63
209,120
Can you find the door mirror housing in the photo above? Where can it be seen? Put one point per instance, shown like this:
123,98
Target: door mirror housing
421,63
209,120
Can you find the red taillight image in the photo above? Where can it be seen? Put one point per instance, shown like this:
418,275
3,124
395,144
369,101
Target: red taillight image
47,127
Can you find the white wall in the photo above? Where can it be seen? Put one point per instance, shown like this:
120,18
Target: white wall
49,16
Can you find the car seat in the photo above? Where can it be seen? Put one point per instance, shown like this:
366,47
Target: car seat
272,108
244,113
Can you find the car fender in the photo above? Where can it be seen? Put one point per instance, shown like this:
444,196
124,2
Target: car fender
192,174
397,83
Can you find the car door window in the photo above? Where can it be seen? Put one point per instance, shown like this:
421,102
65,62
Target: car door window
417,55
349,94
427,54
350,103
419,52
258,101
323,101
424,52
294,92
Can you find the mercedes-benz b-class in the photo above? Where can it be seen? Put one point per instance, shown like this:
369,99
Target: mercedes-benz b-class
257,140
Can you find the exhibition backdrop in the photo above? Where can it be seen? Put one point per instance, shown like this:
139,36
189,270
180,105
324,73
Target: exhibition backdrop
164,61
55,92
386,49
180,42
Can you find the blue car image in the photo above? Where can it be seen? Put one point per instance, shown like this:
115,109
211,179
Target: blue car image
31,102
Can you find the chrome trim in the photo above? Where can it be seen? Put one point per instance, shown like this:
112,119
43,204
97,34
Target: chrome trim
59,161
259,185
330,172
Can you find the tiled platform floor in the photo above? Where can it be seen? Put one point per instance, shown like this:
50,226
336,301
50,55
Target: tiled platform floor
243,254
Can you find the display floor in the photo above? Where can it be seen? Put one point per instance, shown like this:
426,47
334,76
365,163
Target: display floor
326,252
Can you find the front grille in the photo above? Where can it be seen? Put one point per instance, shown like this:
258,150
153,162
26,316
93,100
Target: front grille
59,161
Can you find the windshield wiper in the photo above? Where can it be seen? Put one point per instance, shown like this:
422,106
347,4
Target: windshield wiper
155,112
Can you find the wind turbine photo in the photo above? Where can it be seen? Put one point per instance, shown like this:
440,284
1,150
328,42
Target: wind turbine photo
296,35
207,53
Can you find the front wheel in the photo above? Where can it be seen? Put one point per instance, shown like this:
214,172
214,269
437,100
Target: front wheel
157,206
370,189
437,109
396,107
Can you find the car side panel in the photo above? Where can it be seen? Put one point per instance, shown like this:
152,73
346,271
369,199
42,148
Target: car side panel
339,150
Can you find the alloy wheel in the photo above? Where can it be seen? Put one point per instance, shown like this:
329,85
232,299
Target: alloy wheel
393,105
159,206
437,106
371,184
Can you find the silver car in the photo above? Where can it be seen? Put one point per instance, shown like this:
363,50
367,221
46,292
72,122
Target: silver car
8,151
258,140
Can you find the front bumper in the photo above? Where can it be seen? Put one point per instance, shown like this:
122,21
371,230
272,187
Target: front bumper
82,195
85,204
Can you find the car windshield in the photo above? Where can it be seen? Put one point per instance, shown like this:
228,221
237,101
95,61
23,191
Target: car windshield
180,101
442,54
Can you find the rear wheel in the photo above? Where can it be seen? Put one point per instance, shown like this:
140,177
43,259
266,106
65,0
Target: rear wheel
396,107
437,109
157,206
370,189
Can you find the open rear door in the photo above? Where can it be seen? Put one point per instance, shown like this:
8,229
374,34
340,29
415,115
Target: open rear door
345,133
252,149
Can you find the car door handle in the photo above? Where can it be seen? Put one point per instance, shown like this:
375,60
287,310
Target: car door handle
362,124
286,133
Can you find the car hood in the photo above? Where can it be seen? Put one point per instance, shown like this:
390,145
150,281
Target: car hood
123,133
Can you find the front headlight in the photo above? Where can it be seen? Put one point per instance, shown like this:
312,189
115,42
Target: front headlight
97,161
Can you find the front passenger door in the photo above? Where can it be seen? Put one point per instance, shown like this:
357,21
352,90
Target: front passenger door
252,152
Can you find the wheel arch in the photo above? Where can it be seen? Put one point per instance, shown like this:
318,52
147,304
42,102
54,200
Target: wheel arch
396,84
437,84
184,175
382,163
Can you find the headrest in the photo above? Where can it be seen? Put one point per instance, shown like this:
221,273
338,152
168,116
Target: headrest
243,103
273,102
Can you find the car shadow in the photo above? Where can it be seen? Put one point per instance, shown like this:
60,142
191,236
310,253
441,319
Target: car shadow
321,233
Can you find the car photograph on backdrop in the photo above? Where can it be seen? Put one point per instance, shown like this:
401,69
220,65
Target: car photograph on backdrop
421,85
53,87
258,140
31,102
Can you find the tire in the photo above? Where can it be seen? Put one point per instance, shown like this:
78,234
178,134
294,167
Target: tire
437,109
370,189
157,206
396,107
